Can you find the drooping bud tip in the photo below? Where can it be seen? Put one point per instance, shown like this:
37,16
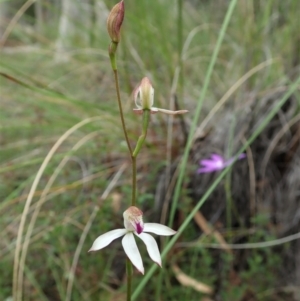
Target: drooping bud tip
115,20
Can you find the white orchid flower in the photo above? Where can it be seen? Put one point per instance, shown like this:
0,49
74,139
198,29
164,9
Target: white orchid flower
133,222
144,99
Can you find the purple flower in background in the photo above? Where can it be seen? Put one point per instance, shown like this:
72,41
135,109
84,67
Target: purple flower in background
216,162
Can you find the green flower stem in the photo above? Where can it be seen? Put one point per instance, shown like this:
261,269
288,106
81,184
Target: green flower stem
121,111
113,60
139,144
129,278
133,198
112,55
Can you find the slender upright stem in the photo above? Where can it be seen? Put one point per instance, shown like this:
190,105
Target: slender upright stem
146,118
112,55
139,144
121,111
112,49
129,278
133,199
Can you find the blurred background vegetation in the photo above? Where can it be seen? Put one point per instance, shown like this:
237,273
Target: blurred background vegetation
57,90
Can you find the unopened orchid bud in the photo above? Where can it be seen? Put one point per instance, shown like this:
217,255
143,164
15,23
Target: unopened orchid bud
115,20
133,219
144,99
144,96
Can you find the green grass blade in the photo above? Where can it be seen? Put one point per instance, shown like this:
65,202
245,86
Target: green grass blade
199,107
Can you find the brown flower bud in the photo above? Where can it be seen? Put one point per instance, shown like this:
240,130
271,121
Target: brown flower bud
115,20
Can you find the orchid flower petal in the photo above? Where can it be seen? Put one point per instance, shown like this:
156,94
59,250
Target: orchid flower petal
216,157
138,111
152,247
207,163
242,156
169,112
229,162
132,251
216,163
151,99
233,159
153,110
105,239
136,96
158,229
206,170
